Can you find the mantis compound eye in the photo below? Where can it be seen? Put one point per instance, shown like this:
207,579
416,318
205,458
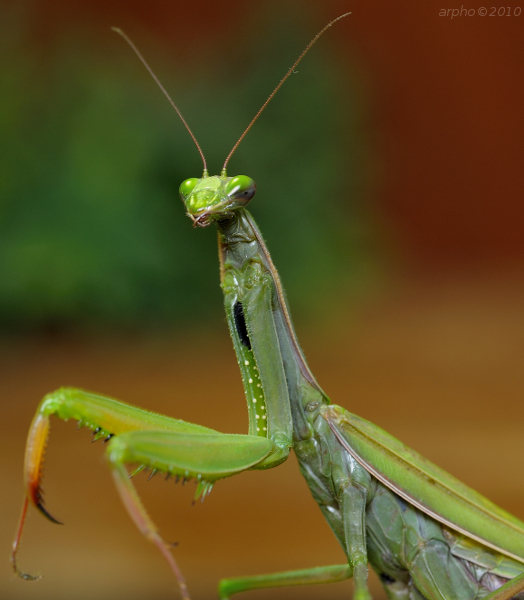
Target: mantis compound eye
186,187
241,188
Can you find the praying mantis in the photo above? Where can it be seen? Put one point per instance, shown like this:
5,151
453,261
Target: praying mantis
425,533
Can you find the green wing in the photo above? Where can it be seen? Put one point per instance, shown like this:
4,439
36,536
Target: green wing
426,486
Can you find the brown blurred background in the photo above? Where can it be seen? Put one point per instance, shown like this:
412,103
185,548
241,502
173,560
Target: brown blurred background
390,186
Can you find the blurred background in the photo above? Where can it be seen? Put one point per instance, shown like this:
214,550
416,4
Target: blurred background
389,173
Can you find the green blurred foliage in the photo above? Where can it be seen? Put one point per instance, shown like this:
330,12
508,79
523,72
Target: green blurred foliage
92,233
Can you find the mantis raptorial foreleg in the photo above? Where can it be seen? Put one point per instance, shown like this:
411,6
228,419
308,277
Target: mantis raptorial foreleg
145,440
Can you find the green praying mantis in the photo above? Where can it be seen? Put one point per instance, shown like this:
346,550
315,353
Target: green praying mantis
425,533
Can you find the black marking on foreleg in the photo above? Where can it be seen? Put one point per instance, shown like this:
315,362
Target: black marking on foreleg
240,325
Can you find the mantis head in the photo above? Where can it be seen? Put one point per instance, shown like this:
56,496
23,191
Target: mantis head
212,198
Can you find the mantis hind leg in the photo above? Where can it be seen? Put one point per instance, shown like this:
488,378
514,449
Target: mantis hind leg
315,575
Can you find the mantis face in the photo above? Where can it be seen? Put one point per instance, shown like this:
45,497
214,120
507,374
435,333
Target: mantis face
212,198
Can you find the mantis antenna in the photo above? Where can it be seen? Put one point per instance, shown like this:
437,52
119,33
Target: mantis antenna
137,52
292,68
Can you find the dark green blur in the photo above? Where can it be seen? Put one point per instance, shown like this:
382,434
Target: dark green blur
92,230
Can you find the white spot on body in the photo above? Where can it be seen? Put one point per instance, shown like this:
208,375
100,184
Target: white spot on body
246,362
250,381
255,400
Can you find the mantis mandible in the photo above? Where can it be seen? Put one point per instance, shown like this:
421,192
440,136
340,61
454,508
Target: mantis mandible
425,533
